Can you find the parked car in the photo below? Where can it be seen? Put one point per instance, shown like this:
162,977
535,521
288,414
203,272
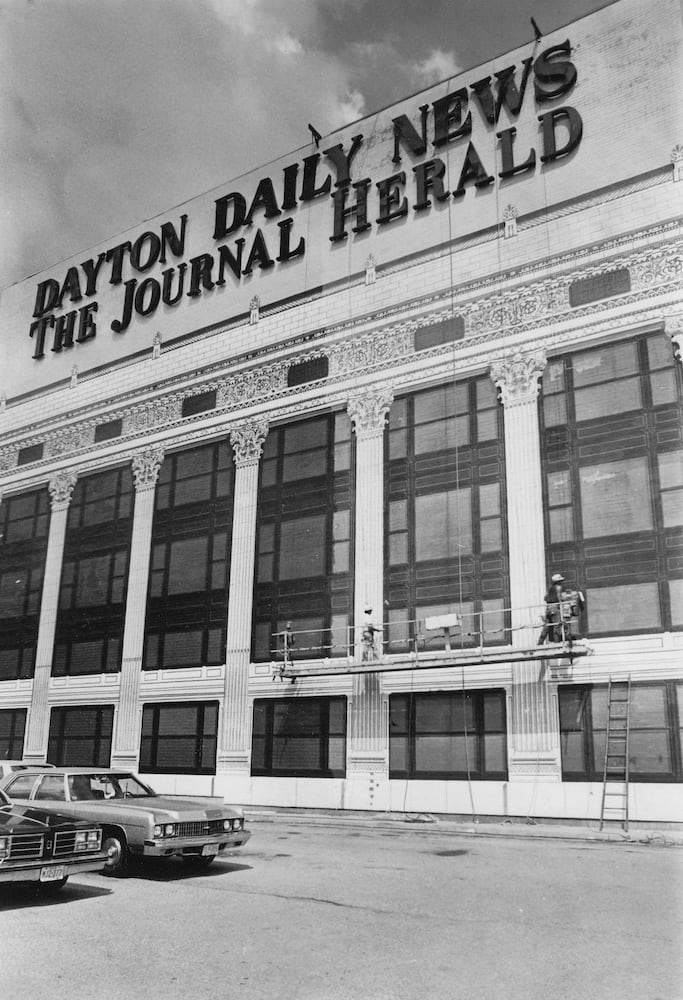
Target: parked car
39,845
137,822
9,766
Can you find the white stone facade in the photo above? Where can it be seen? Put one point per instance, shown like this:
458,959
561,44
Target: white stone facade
511,286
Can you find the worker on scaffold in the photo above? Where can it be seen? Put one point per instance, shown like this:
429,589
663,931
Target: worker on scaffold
288,642
563,605
367,638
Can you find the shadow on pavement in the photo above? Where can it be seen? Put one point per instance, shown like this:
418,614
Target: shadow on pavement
20,895
174,870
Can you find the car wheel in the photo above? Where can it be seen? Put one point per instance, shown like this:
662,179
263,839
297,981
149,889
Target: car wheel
197,861
48,888
116,849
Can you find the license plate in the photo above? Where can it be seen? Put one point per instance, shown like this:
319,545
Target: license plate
51,873
208,850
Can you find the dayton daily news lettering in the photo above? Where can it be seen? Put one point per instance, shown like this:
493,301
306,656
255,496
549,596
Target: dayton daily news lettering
446,120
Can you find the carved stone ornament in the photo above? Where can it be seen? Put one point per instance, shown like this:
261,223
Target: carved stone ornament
61,487
146,465
370,270
517,377
369,413
673,326
677,160
254,310
247,441
510,221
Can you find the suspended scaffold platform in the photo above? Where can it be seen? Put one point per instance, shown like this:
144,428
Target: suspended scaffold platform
466,640
567,651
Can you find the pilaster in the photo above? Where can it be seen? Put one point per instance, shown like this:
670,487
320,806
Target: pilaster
368,746
126,744
534,732
234,749
61,488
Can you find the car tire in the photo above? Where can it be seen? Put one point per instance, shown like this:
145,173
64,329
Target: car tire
198,861
118,858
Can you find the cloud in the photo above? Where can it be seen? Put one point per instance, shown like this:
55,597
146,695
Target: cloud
437,66
114,112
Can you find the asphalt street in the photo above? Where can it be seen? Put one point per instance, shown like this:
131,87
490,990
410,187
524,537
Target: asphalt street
316,913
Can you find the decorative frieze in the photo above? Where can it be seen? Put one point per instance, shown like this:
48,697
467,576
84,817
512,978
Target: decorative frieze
61,487
162,412
146,465
68,440
517,377
247,441
253,386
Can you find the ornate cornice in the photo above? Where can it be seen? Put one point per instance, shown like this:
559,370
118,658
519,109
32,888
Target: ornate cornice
517,377
146,466
520,310
61,486
369,412
247,442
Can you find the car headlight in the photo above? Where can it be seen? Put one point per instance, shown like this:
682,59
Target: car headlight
237,824
94,839
227,824
81,843
164,830
5,843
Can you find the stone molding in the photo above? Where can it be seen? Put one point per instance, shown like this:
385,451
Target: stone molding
247,441
61,486
517,377
146,466
655,271
369,412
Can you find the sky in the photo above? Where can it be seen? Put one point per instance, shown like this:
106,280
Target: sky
115,111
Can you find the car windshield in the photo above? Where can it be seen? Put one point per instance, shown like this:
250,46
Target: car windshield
4,801
88,787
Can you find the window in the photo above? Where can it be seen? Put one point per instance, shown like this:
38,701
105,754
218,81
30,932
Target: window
12,727
190,561
106,432
448,735
612,446
179,738
304,538
92,590
601,286
445,332
307,371
199,403
299,737
80,736
445,534
655,723
24,524
32,453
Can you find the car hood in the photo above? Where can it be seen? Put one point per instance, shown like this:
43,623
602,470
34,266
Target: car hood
27,819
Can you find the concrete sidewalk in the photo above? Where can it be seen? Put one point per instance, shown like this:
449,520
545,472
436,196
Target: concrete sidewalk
516,827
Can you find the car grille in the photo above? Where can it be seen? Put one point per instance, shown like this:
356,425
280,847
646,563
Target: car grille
26,846
202,829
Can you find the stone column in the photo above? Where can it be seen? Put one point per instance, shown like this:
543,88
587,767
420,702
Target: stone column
234,748
61,487
126,743
534,742
369,739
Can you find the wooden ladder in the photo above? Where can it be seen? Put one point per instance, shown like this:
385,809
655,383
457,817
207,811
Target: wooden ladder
615,771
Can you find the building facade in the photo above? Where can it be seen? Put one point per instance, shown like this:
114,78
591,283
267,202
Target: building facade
256,453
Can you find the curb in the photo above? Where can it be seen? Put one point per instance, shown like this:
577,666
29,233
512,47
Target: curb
425,823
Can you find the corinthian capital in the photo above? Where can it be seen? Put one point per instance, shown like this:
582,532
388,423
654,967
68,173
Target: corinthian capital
247,441
673,326
61,487
517,377
369,413
146,465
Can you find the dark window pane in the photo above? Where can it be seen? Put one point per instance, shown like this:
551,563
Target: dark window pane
302,547
308,371
615,497
623,608
601,286
105,432
199,403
